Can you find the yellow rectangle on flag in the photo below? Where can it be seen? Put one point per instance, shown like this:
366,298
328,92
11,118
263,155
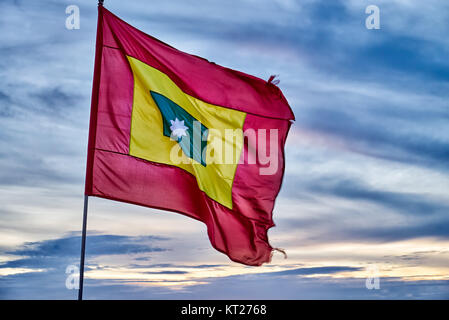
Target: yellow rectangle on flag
148,142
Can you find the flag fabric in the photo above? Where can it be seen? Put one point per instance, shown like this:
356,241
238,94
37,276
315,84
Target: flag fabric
161,121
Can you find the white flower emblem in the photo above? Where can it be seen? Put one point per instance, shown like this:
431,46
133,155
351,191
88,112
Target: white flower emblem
178,129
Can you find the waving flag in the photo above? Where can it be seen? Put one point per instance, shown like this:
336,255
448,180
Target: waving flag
173,131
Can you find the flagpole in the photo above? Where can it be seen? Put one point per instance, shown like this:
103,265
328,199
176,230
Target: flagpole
88,166
83,249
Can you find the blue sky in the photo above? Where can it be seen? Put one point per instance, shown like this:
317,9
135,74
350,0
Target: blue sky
366,184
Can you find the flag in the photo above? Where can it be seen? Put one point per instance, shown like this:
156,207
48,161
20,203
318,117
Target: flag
173,131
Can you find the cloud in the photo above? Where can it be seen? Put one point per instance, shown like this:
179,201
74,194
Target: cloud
171,265
56,100
288,284
351,189
166,272
361,227
272,288
51,253
345,208
313,271
367,136
43,263
386,233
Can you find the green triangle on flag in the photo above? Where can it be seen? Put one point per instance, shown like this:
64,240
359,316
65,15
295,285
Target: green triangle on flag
181,126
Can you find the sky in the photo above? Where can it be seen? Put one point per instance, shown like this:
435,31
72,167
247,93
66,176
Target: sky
366,186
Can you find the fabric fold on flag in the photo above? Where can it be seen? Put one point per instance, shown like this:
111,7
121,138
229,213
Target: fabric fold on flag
161,121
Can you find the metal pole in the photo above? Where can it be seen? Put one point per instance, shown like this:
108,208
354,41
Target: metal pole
83,235
83,249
